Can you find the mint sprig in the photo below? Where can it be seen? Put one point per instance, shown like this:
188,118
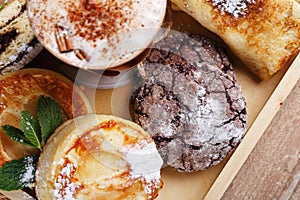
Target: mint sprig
35,133
30,128
16,134
2,5
18,174
49,115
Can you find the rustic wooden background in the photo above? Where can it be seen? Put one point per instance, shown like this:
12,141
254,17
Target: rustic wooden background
272,171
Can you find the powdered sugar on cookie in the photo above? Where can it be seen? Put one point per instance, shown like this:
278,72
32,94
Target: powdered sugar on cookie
235,7
200,99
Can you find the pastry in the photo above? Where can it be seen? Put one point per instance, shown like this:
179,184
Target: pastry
190,102
264,34
18,46
20,91
99,157
96,35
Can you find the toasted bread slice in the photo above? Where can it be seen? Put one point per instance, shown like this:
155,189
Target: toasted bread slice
264,34
18,46
20,91
99,157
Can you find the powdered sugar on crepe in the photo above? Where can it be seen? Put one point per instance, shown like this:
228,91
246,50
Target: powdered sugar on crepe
235,7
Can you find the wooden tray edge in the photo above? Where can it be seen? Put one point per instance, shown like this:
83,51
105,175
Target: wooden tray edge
15,195
255,132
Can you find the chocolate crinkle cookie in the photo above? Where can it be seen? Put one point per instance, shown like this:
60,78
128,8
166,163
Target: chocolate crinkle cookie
190,102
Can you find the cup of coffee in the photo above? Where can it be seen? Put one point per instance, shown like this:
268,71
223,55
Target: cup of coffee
96,35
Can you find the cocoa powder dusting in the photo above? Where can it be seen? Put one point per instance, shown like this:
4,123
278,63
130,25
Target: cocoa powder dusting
98,20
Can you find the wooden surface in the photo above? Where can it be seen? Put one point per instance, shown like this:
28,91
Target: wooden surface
272,171
255,132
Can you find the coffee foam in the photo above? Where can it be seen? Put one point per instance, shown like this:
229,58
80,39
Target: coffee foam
110,32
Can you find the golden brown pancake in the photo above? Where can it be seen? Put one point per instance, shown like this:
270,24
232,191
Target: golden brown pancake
20,91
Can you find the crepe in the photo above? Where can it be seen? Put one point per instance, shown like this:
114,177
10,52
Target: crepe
264,34
99,157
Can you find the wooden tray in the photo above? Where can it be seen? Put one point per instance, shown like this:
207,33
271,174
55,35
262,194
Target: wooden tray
263,101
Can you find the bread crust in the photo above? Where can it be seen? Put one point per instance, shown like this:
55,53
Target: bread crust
264,37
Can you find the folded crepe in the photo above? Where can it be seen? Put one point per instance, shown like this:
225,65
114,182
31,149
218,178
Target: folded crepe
264,34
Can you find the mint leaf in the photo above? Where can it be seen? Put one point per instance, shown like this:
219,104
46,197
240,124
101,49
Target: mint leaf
49,115
30,128
2,6
16,134
18,174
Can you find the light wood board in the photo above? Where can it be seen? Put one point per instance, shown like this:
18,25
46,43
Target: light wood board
272,170
256,131
187,185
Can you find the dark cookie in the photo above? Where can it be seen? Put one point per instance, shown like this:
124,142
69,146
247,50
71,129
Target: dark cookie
192,107
181,49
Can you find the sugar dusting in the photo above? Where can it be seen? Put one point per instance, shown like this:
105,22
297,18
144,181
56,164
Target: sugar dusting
28,176
167,129
145,164
235,7
65,187
12,58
